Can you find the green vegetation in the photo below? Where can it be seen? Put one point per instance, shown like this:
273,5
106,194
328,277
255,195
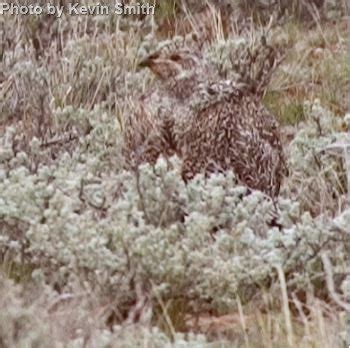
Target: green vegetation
93,255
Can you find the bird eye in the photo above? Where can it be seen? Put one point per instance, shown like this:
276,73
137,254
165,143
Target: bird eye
211,90
153,56
175,57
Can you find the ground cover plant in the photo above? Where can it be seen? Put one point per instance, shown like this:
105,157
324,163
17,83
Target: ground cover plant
95,254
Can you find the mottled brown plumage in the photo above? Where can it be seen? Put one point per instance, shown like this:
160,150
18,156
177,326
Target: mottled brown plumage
179,72
213,124
236,132
149,130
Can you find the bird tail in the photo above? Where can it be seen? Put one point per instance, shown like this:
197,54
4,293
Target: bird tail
256,63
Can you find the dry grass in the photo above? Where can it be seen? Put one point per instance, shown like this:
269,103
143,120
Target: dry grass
51,70
316,67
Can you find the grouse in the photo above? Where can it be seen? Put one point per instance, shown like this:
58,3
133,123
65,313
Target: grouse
213,123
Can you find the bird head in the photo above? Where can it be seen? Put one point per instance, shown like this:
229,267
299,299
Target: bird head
169,64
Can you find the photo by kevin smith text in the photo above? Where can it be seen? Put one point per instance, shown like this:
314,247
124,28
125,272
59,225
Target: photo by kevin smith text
74,9
134,9
118,9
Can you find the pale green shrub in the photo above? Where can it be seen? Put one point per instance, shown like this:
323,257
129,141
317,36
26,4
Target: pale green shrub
100,228
21,322
46,319
71,219
317,177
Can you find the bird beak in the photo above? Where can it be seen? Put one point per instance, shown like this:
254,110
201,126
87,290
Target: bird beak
144,63
148,62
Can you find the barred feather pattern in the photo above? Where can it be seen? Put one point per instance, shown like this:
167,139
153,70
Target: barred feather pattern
213,124
237,134
148,131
